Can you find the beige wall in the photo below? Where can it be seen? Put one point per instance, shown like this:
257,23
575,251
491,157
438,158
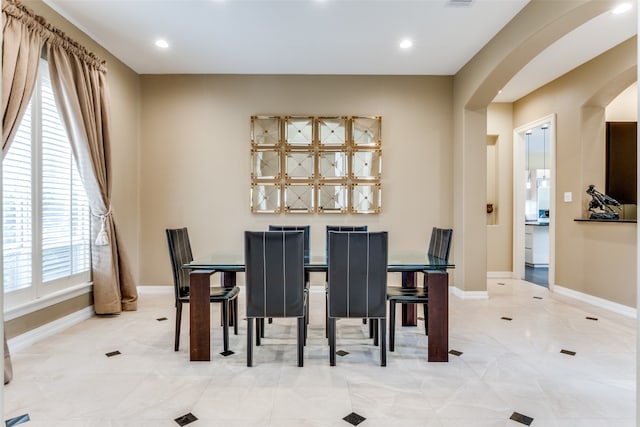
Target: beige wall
195,152
500,233
596,259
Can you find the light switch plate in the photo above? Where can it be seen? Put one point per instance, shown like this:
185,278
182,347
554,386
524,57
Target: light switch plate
568,196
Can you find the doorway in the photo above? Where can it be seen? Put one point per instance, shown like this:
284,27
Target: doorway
534,191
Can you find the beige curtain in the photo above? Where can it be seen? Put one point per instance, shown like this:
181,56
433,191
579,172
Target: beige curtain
22,42
79,85
78,78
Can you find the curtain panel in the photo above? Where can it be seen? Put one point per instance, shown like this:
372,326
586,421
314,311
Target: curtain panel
23,36
79,80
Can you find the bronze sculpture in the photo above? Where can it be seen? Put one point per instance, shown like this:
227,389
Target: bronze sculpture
600,205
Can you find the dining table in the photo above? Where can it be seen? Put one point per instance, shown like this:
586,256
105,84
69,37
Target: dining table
407,262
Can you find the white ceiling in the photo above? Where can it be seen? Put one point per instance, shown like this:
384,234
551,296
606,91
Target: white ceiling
325,36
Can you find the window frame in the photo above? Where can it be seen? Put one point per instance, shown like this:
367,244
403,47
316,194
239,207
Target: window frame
38,291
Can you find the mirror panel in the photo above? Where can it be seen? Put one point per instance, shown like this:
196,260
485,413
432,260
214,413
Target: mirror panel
332,198
366,164
332,131
265,130
265,164
365,198
299,164
366,131
299,198
332,165
299,131
265,198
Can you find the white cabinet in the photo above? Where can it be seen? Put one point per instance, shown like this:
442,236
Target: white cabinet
536,245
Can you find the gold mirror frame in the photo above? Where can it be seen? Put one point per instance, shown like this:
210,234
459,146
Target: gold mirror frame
305,164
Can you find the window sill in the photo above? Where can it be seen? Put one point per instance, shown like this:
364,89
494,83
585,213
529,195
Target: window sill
47,301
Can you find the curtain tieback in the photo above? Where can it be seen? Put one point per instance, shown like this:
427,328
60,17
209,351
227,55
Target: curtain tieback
103,238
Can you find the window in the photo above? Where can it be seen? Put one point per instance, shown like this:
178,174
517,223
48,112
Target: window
45,211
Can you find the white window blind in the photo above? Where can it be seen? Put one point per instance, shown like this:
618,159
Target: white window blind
45,209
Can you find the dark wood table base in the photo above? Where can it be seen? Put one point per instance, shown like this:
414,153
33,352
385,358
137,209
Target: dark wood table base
200,317
409,314
438,313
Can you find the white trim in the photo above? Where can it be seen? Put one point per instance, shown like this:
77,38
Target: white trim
499,274
598,302
19,343
468,294
47,301
155,289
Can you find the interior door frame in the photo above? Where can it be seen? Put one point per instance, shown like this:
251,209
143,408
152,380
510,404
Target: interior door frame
519,195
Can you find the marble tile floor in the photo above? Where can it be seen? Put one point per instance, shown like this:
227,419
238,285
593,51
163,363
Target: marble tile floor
505,367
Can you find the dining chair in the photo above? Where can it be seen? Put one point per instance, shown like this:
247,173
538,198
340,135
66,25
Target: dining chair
329,229
180,254
274,281
306,229
357,271
439,248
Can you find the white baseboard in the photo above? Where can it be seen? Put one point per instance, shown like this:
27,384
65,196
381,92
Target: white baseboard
598,302
468,294
499,274
31,337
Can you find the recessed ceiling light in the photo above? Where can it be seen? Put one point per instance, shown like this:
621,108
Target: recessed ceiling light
162,44
406,44
622,8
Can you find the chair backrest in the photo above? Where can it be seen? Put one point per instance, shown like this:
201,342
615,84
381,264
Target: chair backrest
357,276
440,243
180,254
306,229
331,228
274,274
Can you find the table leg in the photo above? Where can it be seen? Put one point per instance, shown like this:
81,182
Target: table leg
438,312
199,316
409,316
227,280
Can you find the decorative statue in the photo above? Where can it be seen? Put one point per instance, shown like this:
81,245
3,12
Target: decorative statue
603,204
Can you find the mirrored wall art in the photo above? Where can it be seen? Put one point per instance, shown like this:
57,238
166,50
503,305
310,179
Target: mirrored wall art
304,164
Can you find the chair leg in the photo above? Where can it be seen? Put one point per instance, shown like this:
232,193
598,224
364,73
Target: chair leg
249,342
383,344
371,328
258,328
332,341
374,324
178,322
262,326
235,316
270,322
392,324
426,319
225,325
364,321
301,338
326,316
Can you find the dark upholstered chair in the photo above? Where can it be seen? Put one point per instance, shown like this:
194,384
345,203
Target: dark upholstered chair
306,229
439,247
357,283
180,254
343,228
274,281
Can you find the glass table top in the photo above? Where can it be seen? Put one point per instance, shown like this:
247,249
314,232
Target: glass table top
398,260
